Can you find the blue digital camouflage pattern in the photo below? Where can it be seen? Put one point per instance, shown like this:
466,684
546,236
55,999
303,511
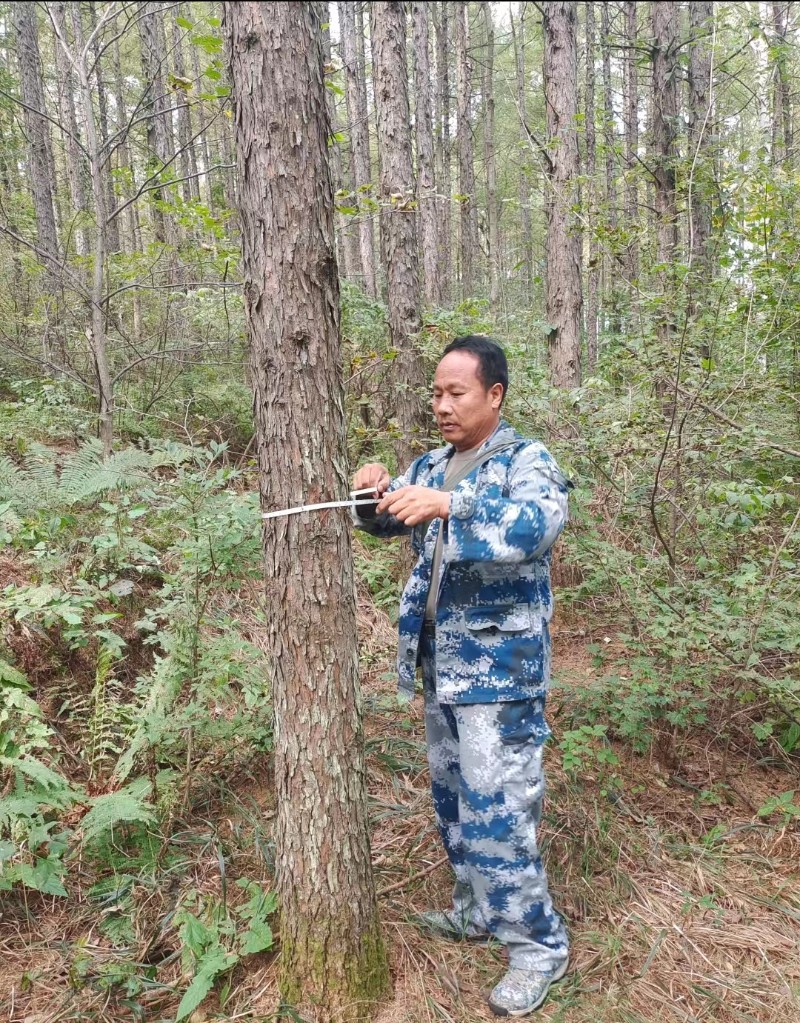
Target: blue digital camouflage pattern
492,639
488,786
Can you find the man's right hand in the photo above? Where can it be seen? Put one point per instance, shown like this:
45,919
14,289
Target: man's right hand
374,475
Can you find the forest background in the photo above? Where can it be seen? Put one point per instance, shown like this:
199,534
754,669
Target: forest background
609,189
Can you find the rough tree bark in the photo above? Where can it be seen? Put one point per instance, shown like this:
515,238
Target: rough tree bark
333,964
492,210
444,179
358,124
390,81
37,128
524,184
630,103
595,256
426,183
564,296
664,133
466,161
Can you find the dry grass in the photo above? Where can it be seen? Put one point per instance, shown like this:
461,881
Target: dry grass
669,920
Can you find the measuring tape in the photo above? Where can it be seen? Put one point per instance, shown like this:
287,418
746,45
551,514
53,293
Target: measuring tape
355,500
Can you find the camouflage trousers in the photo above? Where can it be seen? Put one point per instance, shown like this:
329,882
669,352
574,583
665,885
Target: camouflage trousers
488,787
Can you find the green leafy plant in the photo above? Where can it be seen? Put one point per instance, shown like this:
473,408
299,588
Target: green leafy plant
216,938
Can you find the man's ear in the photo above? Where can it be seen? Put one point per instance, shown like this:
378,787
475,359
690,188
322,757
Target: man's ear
496,392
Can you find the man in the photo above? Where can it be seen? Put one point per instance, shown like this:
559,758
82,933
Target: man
483,512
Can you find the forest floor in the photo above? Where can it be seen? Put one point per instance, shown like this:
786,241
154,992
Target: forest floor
680,906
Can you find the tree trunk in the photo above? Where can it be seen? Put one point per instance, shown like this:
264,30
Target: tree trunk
444,178
701,136
492,211
781,98
609,134
131,234
595,255
37,128
631,104
159,128
333,964
390,81
203,139
610,289
348,252
563,247
426,184
466,161
97,332
665,119
357,117
524,184
191,186
101,93
69,123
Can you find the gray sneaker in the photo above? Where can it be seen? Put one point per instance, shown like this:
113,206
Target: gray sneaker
447,923
522,991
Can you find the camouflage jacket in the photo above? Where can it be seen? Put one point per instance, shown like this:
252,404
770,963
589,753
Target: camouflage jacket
492,640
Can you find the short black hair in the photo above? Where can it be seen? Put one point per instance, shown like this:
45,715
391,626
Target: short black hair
492,362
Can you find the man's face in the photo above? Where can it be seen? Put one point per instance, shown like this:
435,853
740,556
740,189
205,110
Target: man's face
466,412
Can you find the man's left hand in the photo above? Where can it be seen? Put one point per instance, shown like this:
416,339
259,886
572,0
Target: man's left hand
415,504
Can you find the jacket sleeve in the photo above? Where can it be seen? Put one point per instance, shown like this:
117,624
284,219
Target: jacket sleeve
387,525
517,528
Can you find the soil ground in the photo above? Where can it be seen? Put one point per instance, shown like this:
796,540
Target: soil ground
681,907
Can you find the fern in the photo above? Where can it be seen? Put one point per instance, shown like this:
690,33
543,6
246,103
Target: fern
113,809
153,715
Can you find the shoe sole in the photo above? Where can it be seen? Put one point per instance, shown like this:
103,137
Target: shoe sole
498,1011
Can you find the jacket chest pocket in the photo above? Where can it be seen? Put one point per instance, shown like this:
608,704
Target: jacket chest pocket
498,620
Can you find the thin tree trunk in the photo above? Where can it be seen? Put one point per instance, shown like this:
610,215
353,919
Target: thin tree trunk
609,134
610,289
524,185
333,965
426,184
595,255
665,119
97,334
466,160
701,135
357,117
69,122
781,108
390,81
101,93
191,186
564,297
159,129
349,255
444,177
495,261
631,104
203,139
37,127
131,234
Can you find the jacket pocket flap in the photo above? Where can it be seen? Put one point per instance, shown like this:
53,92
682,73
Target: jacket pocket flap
506,618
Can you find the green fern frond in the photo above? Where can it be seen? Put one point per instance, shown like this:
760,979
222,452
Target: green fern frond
153,716
113,809
86,475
